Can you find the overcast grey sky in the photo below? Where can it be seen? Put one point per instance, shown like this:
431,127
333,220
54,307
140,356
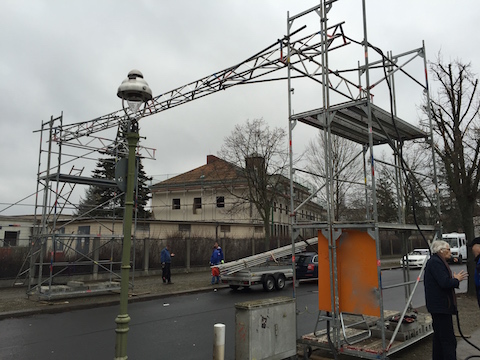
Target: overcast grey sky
71,56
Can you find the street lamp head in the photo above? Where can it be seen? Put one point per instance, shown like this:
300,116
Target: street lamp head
135,90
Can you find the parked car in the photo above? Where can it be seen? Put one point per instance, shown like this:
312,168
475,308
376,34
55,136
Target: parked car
306,265
416,258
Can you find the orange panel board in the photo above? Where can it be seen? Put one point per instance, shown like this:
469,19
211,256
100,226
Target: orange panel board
356,273
324,283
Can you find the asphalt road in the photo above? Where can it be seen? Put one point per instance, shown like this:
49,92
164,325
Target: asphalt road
178,327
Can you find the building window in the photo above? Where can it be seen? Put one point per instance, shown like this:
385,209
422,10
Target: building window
197,204
280,208
143,227
59,243
83,243
274,207
184,227
225,228
259,229
175,204
11,238
220,201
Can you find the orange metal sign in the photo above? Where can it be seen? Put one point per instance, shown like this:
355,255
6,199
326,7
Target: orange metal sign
356,272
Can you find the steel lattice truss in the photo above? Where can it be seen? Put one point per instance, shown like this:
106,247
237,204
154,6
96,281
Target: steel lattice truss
303,59
302,53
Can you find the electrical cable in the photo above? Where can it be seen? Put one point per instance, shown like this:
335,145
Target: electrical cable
466,340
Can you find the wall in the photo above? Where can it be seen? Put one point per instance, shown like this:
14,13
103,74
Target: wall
23,228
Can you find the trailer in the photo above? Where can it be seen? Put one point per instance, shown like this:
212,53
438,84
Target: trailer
271,269
270,277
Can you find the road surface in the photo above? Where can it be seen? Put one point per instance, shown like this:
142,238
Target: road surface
178,327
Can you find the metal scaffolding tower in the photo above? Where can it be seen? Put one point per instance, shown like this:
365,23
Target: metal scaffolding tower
53,252
351,292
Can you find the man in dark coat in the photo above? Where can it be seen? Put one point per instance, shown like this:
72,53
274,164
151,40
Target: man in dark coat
475,245
166,259
440,299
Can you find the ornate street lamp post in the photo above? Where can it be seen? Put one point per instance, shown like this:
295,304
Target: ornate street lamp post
135,91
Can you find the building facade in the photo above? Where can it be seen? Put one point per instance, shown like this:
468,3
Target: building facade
16,230
213,193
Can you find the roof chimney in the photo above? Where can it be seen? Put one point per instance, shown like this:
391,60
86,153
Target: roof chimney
211,159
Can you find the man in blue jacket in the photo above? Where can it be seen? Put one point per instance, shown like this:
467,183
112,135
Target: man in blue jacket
475,245
216,259
440,298
166,260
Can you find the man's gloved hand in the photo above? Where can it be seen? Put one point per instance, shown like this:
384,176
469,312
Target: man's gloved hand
222,261
163,265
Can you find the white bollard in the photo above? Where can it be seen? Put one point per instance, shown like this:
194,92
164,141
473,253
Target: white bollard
219,342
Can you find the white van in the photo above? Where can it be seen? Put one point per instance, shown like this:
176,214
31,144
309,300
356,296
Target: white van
458,246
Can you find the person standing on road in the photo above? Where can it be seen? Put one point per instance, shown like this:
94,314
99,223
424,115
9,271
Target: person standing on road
440,298
166,260
216,259
475,245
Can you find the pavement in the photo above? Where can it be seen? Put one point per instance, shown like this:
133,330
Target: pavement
466,350
15,303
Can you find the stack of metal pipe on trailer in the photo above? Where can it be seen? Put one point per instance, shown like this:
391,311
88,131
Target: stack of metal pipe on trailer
232,267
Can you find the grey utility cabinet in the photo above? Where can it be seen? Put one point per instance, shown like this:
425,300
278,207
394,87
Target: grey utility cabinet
265,329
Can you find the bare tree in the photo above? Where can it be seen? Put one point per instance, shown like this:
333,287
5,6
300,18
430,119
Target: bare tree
414,185
455,115
346,163
261,157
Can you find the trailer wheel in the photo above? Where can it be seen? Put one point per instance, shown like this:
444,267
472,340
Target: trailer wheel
280,282
268,283
234,287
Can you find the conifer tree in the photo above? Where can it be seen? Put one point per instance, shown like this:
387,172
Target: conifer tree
100,201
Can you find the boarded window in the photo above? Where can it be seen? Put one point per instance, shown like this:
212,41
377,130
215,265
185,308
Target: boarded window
225,228
259,229
143,227
184,227
175,204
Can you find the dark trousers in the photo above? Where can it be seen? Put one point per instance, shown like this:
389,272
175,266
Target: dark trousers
166,272
444,342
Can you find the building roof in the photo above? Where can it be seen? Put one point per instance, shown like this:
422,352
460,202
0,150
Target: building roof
215,170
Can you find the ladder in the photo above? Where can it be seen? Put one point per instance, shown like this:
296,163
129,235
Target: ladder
258,259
